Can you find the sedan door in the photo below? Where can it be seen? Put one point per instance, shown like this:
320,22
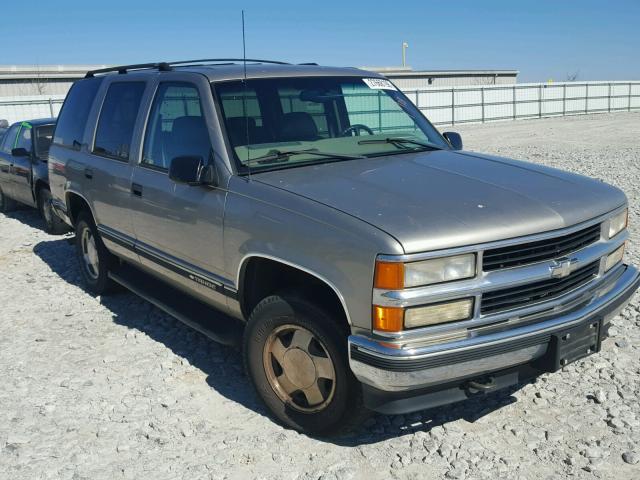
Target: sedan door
21,171
6,160
179,227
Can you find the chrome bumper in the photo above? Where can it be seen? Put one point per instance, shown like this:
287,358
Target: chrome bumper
396,368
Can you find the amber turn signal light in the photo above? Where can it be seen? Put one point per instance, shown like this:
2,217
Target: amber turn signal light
388,319
389,275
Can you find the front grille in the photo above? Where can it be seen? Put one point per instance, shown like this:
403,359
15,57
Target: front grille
532,252
541,291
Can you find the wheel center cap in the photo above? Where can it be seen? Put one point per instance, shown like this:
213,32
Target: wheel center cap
299,368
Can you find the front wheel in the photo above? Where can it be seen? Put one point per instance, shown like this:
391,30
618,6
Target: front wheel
296,356
52,223
94,258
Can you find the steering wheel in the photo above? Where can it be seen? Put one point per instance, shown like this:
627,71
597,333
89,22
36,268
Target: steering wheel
355,128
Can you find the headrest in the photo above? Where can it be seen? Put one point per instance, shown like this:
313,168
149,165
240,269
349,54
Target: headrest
298,126
237,128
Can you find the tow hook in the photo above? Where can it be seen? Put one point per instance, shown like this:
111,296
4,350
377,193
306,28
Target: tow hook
480,386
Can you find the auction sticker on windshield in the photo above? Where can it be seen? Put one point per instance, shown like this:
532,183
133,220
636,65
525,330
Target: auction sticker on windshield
379,83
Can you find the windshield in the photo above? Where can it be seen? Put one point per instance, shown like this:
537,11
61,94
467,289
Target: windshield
285,122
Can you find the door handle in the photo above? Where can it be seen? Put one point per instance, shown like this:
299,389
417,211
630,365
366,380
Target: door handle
136,189
88,173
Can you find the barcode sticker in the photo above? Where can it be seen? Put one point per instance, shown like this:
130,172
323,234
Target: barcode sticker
379,83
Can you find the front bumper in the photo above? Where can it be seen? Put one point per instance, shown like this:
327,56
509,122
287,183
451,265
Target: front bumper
384,367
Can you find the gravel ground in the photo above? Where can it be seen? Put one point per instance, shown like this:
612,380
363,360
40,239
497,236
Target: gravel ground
108,388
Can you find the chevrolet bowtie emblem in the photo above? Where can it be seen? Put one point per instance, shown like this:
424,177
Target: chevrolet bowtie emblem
561,267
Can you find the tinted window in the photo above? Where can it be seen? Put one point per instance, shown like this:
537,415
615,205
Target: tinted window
117,120
24,137
43,136
75,111
176,126
10,138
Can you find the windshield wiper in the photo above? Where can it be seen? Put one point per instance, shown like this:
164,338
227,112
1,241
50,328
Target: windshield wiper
400,142
276,156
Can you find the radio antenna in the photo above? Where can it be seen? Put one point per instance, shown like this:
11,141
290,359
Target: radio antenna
244,96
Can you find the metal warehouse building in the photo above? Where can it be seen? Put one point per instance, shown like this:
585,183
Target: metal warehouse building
407,79
30,80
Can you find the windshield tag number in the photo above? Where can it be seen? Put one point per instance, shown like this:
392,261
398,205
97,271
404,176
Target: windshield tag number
379,83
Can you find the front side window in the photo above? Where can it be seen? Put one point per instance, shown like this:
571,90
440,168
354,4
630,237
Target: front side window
176,126
117,120
10,138
24,137
43,137
276,123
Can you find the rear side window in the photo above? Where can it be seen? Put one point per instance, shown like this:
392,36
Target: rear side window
42,140
75,111
117,120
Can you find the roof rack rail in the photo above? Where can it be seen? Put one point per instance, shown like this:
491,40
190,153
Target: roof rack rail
166,66
203,60
162,66
308,63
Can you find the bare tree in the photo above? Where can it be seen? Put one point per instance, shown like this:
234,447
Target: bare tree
37,84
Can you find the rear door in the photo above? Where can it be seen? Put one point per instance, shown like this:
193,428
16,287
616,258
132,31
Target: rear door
108,170
179,227
21,172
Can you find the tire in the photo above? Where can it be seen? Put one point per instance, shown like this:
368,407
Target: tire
6,204
289,380
94,258
52,223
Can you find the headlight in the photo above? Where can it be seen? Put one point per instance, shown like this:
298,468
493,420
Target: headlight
614,258
438,313
438,270
396,276
618,223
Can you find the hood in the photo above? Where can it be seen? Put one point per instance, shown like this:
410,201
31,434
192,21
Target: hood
442,199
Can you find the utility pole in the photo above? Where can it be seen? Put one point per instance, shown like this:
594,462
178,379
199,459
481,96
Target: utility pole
405,45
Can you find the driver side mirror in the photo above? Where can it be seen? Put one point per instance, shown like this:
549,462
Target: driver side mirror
192,171
20,152
454,139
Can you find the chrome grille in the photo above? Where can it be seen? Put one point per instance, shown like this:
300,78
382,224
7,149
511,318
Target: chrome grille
535,292
538,251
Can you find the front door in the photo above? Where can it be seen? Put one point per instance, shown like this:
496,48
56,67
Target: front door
6,160
178,227
21,172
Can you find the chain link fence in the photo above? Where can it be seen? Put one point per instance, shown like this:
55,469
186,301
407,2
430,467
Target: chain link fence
448,106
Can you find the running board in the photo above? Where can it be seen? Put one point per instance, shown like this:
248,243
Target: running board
190,311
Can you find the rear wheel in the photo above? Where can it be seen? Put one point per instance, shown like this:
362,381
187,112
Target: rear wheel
296,356
94,258
53,224
6,204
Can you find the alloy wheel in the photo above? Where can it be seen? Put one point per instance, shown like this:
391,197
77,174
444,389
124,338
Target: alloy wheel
299,368
90,254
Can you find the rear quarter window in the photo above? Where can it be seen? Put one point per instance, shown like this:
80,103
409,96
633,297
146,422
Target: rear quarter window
74,113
